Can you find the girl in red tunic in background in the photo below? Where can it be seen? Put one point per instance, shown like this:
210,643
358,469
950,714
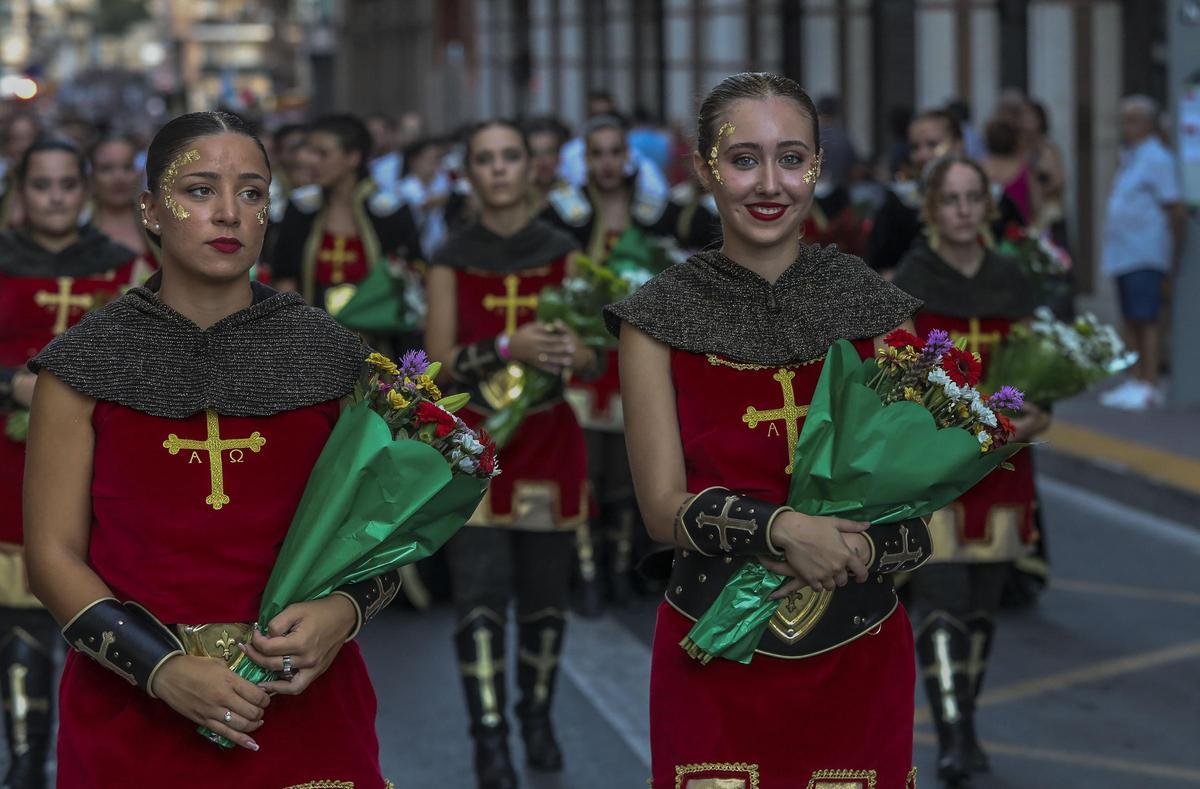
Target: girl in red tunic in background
172,435
719,358
115,180
483,292
52,271
977,296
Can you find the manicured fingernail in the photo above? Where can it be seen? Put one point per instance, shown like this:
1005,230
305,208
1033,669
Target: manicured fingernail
251,744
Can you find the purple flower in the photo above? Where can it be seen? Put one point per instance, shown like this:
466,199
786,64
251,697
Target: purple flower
413,363
1009,398
938,343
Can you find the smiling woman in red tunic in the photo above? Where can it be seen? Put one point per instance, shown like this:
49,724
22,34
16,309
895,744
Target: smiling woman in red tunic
719,358
172,435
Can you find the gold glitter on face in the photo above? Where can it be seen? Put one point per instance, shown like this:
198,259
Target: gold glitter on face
264,212
166,183
714,154
814,171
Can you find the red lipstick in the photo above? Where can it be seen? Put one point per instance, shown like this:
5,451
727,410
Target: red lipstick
225,245
766,212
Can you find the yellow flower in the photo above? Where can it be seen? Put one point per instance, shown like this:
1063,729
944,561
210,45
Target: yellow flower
428,387
396,400
381,362
912,394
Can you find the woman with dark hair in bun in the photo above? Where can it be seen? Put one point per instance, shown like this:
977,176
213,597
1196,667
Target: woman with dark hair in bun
115,188
704,347
172,435
52,271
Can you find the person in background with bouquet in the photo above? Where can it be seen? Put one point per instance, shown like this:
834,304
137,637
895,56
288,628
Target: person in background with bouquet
719,358
613,205
977,296
52,272
172,435
483,290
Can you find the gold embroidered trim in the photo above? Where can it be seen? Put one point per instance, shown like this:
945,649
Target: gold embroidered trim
821,777
717,361
751,771
327,785
214,445
166,183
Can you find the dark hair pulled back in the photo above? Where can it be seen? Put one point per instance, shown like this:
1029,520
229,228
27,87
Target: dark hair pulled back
503,123
749,85
179,133
352,135
45,144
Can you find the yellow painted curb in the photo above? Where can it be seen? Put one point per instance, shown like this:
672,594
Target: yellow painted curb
1165,467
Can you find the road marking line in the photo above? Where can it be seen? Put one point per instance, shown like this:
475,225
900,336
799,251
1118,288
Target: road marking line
1090,504
1079,759
611,667
1130,592
1173,469
1106,669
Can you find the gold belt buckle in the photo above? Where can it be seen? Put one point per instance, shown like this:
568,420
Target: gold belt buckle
218,640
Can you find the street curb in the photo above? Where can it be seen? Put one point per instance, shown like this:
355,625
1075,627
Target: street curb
1120,483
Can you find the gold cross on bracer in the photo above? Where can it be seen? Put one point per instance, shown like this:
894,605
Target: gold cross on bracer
63,302
511,302
214,445
790,413
724,523
338,257
975,337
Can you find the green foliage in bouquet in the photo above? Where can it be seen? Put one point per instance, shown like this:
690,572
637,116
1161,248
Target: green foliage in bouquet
16,427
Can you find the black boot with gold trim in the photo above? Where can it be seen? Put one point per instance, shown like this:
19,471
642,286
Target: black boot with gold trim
540,637
943,650
982,630
620,556
589,600
480,645
27,663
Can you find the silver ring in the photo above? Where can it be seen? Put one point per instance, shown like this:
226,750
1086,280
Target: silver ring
543,358
228,717
287,668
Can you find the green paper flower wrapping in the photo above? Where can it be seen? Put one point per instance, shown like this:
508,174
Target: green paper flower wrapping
383,303
16,426
859,459
388,490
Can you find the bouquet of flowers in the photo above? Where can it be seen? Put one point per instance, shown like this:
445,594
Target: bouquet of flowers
894,437
399,475
579,303
390,299
1047,265
1051,360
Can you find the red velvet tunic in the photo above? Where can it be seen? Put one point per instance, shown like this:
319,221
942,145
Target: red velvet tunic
993,521
340,260
547,456
33,311
159,538
774,723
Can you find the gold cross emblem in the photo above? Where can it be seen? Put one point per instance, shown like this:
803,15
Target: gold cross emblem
339,257
512,302
975,338
214,445
544,663
485,671
63,302
789,413
724,523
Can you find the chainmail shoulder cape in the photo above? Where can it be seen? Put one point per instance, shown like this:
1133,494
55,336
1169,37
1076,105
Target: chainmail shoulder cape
710,304
276,355
999,290
477,247
93,253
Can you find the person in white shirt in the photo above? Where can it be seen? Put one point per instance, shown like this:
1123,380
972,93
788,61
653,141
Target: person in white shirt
1143,244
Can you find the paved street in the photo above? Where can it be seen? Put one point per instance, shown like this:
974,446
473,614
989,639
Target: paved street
1097,688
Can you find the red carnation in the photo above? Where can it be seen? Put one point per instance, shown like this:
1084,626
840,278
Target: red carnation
962,367
901,339
487,461
1013,233
1006,424
429,414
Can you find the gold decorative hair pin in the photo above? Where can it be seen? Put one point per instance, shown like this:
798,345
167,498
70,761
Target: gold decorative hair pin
264,212
726,128
167,182
814,170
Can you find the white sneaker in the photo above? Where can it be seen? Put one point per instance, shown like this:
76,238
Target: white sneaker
1140,397
1120,393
